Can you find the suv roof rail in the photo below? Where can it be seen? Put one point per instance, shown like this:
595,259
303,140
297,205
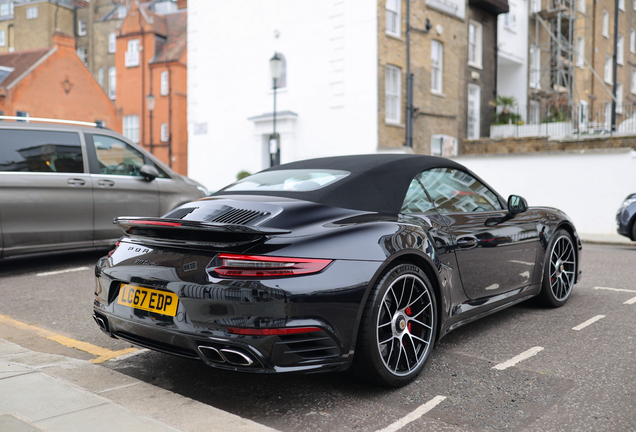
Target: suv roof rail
38,119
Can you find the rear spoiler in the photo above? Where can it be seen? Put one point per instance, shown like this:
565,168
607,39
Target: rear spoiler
127,224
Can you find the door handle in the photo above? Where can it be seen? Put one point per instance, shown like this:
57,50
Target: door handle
76,182
466,243
106,183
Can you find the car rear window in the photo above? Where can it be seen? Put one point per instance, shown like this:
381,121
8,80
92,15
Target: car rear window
287,180
40,151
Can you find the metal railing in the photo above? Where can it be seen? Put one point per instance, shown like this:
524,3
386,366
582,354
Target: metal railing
562,122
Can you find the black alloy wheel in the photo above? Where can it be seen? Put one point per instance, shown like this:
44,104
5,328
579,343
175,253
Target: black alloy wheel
559,270
634,229
398,327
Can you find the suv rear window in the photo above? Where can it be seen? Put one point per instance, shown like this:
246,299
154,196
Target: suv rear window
40,151
287,180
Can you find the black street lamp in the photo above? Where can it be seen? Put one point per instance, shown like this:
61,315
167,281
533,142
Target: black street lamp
150,103
274,144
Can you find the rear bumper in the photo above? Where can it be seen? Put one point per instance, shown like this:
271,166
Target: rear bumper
330,300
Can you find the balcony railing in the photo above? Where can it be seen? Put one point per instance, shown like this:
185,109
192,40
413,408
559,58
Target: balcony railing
444,6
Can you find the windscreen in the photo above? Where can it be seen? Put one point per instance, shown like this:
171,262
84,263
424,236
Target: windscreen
288,180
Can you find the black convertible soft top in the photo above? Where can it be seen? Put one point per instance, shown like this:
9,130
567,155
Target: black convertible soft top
377,183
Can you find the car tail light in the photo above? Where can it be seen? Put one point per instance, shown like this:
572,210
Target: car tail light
110,254
158,223
265,266
271,331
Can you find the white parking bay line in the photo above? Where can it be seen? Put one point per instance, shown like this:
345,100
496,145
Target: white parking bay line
62,271
614,289
419,412
631,301
588,322
521,357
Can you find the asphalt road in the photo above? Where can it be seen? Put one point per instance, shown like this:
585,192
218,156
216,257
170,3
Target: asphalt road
580,380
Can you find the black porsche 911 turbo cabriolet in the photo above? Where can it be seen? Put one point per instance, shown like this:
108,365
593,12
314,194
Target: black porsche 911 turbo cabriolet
359,262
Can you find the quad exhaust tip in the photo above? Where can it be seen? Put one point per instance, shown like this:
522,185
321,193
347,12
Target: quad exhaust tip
227,355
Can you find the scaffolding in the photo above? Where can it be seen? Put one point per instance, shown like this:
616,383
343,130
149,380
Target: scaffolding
558,19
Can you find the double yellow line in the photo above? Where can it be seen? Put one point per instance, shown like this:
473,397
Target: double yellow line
102,354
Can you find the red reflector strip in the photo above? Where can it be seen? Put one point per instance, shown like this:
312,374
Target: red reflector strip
266,266
148,222
271,332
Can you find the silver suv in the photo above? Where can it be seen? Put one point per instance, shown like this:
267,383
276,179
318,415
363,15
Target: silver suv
62,185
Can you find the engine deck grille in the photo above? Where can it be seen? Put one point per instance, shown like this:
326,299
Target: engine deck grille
237,216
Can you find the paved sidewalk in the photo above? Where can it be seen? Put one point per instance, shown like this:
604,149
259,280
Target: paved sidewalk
609,239
46,392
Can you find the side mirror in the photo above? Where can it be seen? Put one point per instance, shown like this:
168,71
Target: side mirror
149,172
517,204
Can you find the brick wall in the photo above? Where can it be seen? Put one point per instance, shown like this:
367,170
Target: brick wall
543,144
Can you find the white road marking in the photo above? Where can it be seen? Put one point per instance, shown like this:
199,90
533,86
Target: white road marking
588,322
62,271
419,412
614,289
524,355
631,301
522,262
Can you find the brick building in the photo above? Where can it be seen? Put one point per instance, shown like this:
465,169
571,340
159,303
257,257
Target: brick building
53,83
346,86
151,59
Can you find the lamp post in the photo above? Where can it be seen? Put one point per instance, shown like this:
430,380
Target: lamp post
274,144
150,103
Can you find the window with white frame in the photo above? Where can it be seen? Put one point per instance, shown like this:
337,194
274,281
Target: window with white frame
534,114
634,81
164,132
82,54
608,115
535,6
392,94
535,67
619,98
474,44
510,18
121,12
100,77
132,54
5,9
81,27
621,4
32,12
131,127
580,51
165,87
583,115
112,82
474,111
605,28
620,50
607,75
581,6
112,42
437,66
632,41
2,38
393,17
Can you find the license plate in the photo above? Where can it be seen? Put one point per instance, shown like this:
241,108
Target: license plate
147,299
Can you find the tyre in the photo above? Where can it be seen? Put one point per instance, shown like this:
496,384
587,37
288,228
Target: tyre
398,326
634,230
559,271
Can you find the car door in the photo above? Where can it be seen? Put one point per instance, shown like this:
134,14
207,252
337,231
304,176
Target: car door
119,189
495,252
46,201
